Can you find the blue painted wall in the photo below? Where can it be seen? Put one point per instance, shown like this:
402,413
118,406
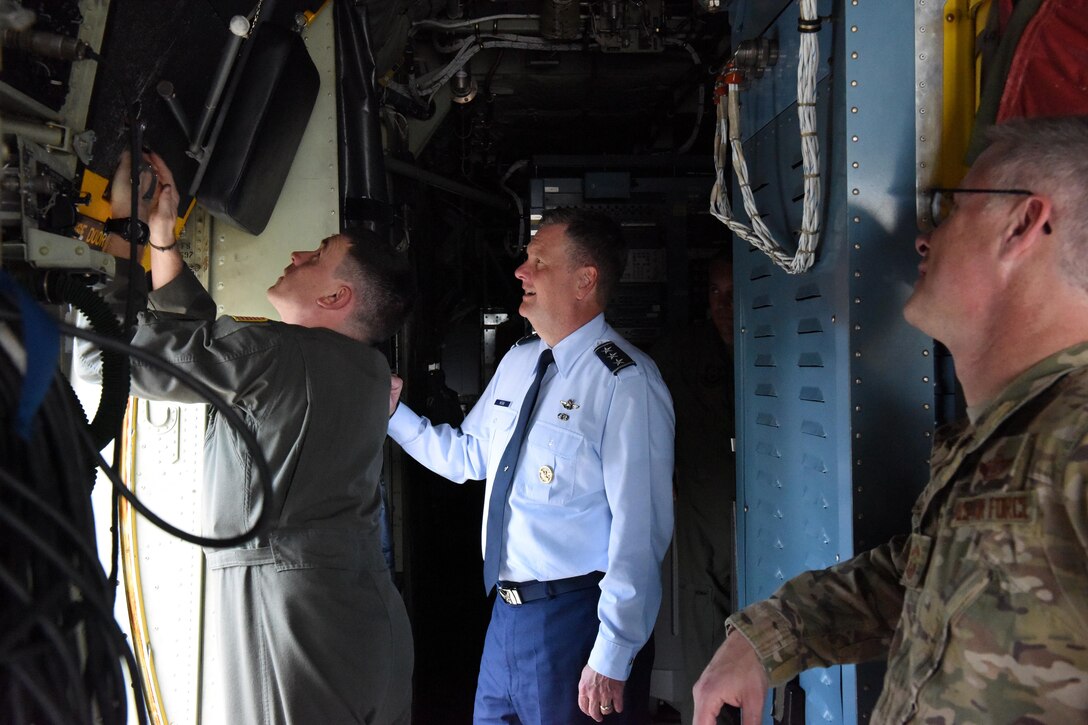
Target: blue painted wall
834,390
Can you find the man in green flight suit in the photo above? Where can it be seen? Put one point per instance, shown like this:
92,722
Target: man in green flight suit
310,626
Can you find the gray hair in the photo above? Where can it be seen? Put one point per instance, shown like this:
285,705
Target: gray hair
1048,155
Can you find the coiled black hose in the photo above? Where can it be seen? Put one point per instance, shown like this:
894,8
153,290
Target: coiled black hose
60,288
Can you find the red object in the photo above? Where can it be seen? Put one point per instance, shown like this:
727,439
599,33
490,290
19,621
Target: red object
1049,71
730,75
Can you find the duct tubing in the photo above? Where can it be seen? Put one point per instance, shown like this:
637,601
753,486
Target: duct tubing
364,196
59,288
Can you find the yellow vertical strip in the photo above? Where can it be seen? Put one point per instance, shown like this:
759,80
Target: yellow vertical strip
963,21
130,567
980,13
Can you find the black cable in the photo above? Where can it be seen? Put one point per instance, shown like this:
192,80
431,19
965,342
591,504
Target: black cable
232,417
91,597
62,648
115,538
120,487
40,698
59,600
67,651
135,678
57,559
67,289
68,655
117,646
136,162
27,493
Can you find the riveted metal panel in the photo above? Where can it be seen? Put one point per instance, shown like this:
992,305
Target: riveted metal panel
891,363
833,388
793,439
241,265
169,458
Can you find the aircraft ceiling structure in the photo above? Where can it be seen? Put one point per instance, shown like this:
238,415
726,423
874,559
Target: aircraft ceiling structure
532,78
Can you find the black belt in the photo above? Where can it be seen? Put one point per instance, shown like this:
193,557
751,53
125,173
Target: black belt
515,593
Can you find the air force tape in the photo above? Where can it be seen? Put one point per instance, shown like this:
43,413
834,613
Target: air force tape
613,358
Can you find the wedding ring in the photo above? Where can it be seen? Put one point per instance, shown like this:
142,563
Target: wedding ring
606,708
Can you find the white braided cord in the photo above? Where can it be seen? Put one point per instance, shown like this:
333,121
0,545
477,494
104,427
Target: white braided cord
728,128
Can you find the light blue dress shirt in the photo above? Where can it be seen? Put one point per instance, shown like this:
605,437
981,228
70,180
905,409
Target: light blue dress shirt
593,486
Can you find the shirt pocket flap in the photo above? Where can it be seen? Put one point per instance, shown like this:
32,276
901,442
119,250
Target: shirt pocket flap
550,461
502,418
559,441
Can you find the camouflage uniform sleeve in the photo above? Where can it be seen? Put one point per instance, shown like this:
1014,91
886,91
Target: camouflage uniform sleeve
1067,549
842,615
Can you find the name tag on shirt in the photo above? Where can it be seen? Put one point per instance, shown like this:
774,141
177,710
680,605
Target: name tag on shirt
503,403
1005,508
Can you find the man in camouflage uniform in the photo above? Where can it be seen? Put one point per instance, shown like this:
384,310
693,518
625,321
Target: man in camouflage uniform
982,611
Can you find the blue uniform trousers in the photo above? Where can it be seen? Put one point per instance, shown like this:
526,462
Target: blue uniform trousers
533,658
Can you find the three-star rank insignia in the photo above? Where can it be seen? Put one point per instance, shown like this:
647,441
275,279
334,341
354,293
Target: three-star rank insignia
614,358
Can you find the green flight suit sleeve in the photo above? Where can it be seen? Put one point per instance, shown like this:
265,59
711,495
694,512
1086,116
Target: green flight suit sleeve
177,323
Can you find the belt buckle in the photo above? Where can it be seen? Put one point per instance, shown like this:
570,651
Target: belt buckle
510,596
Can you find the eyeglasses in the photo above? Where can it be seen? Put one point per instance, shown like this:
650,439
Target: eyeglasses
942,204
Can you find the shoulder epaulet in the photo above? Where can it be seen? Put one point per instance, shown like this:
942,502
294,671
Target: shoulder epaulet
613,357
528,338
248,318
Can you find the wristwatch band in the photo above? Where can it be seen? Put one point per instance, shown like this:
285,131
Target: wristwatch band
121,227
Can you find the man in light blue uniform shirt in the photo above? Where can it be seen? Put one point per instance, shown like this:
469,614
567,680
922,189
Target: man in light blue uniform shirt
589,512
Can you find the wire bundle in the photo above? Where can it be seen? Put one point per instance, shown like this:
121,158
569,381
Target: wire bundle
428,85
728,127
60,647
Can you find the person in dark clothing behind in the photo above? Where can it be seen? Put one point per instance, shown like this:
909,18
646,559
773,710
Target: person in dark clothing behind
696,363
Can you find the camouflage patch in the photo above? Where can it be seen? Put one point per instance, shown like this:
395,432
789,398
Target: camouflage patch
998,467
917,560
1002,508
247,318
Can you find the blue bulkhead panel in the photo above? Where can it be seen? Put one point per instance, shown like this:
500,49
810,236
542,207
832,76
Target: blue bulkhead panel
834,389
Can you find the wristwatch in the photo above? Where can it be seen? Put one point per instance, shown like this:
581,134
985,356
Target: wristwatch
121,228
